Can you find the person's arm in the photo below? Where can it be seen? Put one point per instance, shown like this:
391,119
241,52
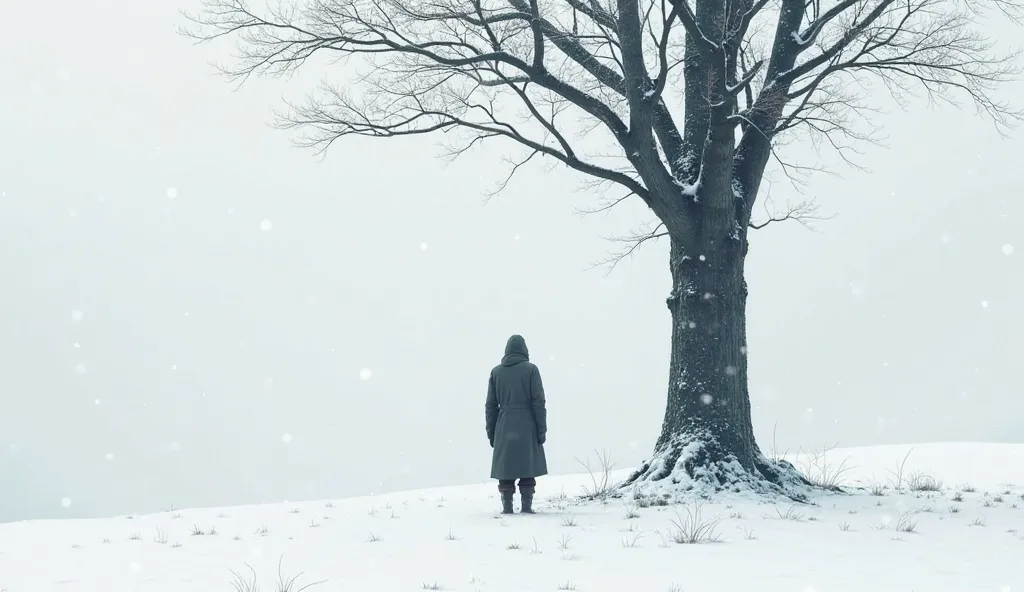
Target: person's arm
491,409
539,404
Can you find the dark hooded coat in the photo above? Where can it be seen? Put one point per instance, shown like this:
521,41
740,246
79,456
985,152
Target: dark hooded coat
517,418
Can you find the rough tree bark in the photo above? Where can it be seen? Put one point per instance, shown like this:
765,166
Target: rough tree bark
707,432
752,71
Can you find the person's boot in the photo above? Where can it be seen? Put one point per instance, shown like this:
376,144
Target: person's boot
506,502
527,494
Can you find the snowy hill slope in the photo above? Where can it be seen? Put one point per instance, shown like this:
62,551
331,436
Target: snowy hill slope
956,523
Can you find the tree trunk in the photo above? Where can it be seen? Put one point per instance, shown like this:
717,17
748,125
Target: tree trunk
707,437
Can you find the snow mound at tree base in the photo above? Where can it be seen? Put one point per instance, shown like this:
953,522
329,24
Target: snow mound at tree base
682,470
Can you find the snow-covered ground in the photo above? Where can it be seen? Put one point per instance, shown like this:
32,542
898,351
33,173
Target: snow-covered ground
968,536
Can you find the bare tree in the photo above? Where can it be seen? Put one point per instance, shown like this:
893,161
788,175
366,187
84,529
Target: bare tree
679,103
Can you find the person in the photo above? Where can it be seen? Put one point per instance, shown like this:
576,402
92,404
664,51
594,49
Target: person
517,425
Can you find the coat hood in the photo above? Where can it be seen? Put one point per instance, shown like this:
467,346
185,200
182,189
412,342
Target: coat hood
515,351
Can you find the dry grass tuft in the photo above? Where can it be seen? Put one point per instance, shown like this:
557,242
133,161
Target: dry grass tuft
693,528
822,471
790,514
602,486
250,583
924,482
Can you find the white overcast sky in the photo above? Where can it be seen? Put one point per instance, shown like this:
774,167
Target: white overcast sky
207,349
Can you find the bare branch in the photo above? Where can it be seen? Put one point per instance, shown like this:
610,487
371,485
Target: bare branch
689,20
602,86
828,57
649,232
595,12
804,213
434,80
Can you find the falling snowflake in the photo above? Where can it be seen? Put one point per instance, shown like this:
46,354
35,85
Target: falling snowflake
706,399
108,456
516,237
80,368
172,193
984,303
365,374
174,366
423,246
65,501
286,438
266,225
175,446
96,402
1007,249
134,567
692,325
76,316
78,344
702,258
731,370
945,238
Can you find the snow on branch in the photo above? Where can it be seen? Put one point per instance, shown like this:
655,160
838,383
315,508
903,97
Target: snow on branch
689,20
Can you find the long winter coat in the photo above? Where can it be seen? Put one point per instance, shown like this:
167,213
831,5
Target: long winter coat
517,419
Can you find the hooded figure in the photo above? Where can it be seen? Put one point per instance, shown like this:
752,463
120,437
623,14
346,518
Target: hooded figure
516,424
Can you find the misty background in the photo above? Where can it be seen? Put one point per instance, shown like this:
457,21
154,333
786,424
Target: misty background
195,312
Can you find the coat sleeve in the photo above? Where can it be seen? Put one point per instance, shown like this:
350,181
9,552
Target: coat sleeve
539,404
491,408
